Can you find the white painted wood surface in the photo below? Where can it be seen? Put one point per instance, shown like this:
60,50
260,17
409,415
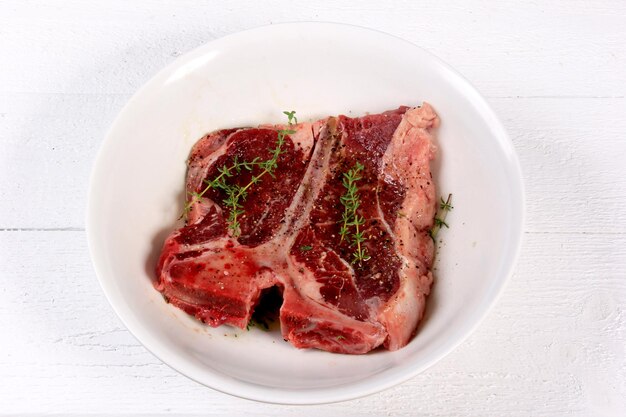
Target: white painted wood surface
555,72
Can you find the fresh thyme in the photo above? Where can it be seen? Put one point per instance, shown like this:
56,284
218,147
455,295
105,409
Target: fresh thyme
236,194
351,221
219,181
440,218
439,223
446,205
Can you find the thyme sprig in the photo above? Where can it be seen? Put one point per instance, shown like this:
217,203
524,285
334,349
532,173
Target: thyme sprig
236,194
440,218
351,220
219,181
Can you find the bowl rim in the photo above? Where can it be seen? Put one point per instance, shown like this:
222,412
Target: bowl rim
344,392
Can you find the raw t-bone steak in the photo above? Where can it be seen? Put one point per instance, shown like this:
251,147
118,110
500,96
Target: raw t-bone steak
289,234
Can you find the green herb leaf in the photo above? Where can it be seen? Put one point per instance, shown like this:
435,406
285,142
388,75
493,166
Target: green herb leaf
350,219
440,217
439,222
445,205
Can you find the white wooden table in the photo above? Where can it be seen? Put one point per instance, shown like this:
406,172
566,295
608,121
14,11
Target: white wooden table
555,72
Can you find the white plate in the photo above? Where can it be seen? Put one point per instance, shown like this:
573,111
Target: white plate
248,78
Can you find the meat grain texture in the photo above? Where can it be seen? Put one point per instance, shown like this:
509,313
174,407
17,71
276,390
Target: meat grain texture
290,232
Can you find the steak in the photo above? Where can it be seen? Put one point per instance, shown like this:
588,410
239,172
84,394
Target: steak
290,231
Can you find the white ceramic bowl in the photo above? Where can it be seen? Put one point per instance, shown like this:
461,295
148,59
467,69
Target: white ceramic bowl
248,78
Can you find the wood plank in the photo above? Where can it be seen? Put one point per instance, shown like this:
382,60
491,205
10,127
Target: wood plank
508,48
557,336
49,143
